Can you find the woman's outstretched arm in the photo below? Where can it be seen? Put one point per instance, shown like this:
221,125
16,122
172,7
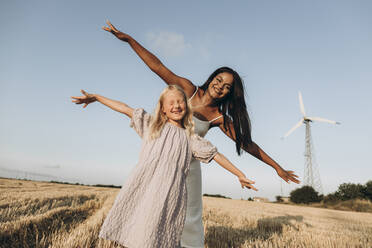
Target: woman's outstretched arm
152,61
258,153
113,104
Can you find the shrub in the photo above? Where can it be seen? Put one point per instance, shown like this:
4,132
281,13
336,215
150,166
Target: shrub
349,191
330,198
278,198
367,192
357,205
305,194
217,195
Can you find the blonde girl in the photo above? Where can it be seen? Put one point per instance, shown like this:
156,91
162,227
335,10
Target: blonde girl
150,208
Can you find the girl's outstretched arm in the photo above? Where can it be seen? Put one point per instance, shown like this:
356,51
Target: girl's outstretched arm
258,153
225,163
113,104
152,61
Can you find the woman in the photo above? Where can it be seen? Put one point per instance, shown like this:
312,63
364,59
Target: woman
150,209
219,102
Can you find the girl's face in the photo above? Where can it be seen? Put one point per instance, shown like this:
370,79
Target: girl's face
174,106
220,86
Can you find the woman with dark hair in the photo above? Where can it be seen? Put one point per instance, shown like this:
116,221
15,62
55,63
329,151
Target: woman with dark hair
219,102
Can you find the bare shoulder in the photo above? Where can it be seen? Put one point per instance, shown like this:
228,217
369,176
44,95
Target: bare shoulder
218,120
188,87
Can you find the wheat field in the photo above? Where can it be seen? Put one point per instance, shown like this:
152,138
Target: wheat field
41,214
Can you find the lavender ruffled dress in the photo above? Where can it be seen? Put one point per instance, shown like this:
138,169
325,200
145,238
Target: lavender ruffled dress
150,208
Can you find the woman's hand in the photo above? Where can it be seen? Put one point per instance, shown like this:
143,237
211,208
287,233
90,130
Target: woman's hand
86,99
245,182
287,175
120,35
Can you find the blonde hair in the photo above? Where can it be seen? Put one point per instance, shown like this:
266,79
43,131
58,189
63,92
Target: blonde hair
159,119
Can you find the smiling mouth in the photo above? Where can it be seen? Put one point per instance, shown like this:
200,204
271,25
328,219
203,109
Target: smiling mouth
217,91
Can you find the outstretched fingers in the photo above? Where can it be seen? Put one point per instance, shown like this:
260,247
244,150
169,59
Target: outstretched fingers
288,176
110,28
249,186
106,29
77,99
245,182
84,93
85,99
292,177
295,180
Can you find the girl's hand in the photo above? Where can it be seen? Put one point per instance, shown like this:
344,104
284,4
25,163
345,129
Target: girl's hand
288,176
86,99
120,35
245,182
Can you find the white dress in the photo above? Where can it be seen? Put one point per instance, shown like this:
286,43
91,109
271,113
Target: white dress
193,231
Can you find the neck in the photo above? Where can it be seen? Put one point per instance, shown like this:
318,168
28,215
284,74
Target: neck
177,123
207,100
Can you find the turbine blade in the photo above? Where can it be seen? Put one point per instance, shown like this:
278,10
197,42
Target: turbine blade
293,128
323,120
302,108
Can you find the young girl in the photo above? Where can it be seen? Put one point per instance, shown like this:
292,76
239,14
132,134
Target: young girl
150,209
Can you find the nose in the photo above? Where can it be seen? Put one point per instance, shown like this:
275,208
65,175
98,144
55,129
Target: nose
220,84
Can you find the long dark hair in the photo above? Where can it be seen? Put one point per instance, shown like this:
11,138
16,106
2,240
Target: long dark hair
233,107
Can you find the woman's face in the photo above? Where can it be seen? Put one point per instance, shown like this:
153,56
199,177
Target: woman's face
221,85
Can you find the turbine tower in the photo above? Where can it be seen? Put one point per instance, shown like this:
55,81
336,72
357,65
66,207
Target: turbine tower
311,173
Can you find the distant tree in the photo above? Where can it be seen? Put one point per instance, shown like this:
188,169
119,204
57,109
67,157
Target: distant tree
331,198
367,191
279,198
217,195
106,186
250,199
305,194
321,197
348,191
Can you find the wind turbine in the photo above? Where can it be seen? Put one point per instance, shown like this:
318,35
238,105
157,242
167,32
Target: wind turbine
311,173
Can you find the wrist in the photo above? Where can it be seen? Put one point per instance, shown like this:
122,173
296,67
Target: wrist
276,166
128,39
240,175
95,97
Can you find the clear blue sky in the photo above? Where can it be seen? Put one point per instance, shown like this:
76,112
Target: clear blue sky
52,49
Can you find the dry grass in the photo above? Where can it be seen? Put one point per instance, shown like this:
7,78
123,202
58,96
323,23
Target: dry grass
236,223
358,205
36,214
39,214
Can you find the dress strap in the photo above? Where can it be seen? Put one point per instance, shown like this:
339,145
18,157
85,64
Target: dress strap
194,93
215,119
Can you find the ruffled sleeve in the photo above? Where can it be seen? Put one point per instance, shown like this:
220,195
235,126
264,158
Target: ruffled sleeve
202,149
140,121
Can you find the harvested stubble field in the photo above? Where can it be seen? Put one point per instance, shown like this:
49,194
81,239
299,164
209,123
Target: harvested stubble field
39,214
